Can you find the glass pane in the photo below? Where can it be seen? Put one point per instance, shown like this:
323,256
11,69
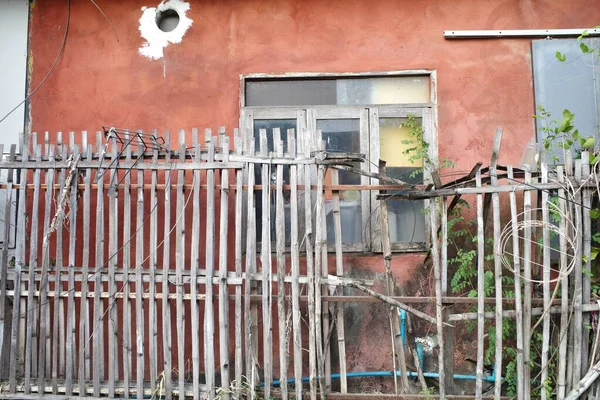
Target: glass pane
290,92
406,217
383,90
571,85
343,135
269,125
339,91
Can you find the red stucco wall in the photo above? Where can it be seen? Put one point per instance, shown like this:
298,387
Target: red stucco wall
482,83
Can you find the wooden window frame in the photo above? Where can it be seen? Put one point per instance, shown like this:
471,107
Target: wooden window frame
369,115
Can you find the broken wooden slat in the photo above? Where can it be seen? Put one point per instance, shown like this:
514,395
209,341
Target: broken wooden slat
564,293
295,264
98,331
139,286
238,353
397,345
71,350
517,277
223,298
31,336
84,305
166,309
126,287
586,286
265,259
58,303
280,254
195,261
527,285
545,277
14,337
153,263
113,262
497,261
45,355
250,313
180,266
209,328
433,214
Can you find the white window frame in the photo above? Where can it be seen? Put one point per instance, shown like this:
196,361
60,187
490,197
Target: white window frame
306,117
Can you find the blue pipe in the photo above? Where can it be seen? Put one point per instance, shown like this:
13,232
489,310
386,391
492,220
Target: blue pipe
370,374
420,355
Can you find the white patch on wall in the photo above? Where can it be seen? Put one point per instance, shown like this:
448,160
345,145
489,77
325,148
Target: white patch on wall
162,25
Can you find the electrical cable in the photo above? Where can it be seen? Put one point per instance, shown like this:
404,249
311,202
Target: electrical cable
60,52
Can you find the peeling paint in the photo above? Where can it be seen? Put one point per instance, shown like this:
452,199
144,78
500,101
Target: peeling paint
157,40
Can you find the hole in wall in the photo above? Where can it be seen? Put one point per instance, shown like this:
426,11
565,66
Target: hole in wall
167,20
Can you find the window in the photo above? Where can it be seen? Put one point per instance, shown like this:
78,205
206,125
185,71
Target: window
360,114
573,84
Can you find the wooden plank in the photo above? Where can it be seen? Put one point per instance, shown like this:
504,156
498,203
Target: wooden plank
195,254
578,285
586,286
310,271
223,245
398,357
70,326
153,262
497,261
209,328
433,214
546,279
113,261
320,245
564,297
239,227
521,387
31,336
265,260
58,303
71,343
126,251
84,305
20,257
139,285
14,336
449,331
166,310
4,308
250,310
180,266
295,264
44,348
98,332
527,285
280,255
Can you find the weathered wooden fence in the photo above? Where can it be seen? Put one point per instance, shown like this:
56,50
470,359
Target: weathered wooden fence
139,270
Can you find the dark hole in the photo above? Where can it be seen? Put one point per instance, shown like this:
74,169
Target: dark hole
167,20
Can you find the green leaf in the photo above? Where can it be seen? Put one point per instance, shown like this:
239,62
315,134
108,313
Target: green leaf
584,47
594,213
560,57
594,253
568,115
589,142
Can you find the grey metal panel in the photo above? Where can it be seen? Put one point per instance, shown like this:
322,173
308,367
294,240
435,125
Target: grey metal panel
566,85
14,15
